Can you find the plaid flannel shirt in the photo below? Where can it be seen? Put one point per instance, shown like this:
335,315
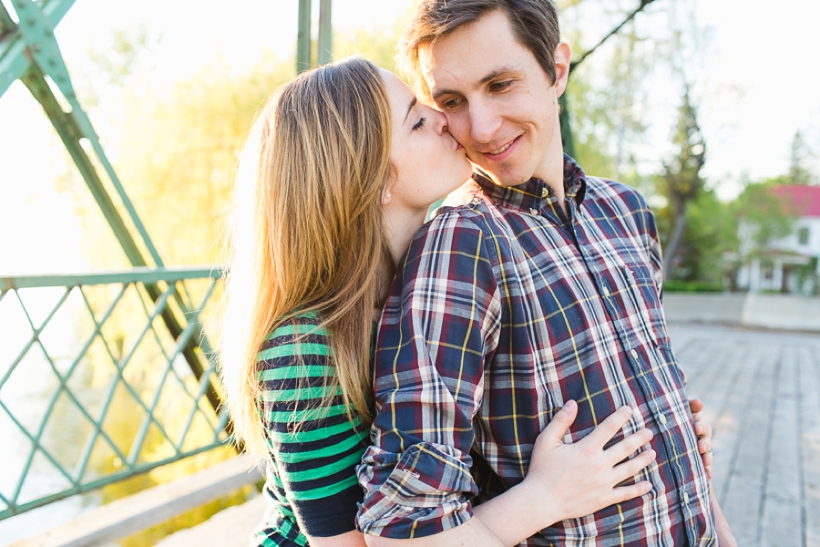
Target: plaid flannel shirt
504,308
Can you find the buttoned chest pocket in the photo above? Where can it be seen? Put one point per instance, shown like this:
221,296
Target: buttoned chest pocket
645,298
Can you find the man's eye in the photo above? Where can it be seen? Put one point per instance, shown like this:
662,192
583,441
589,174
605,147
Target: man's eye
450,104
500,86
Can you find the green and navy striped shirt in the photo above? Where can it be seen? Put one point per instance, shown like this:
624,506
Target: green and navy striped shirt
313,449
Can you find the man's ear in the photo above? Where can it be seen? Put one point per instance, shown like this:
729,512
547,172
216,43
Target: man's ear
563,54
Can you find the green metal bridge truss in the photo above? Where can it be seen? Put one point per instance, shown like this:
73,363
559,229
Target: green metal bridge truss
163,368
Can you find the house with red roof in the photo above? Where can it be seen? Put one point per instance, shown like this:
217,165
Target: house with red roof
791,264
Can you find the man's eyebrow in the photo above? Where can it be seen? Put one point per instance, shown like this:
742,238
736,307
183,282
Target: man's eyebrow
409,108
489,77
496,73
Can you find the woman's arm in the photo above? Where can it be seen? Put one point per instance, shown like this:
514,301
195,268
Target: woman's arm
349,539
314,447
563,481
569,481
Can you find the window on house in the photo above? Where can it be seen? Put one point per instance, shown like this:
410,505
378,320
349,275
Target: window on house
803,235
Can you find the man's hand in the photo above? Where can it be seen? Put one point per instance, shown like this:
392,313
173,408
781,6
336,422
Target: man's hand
704,432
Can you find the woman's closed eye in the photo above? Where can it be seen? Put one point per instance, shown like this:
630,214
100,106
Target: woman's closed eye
419,124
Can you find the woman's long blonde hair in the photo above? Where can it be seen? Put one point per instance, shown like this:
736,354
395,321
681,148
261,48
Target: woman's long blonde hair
307,231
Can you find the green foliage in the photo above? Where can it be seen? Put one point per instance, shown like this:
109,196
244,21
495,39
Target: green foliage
589,122
378,46
764,218
677,285
119,60
604,119
681,180
711,232
177,153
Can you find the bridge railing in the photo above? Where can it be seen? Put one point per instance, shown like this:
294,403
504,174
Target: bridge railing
103,377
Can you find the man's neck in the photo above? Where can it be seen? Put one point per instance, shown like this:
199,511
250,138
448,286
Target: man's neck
551,171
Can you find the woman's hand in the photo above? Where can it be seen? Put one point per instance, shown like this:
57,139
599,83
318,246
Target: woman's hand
569,480
575,480
704,432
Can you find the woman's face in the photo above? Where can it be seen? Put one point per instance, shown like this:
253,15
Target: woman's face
427,161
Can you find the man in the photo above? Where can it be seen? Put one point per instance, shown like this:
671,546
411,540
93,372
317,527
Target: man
542,286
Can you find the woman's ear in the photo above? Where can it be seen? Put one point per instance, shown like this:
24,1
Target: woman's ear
391,179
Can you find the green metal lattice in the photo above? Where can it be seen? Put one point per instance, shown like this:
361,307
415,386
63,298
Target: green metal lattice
138,371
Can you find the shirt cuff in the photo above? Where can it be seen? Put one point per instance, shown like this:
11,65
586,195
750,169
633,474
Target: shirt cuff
426,492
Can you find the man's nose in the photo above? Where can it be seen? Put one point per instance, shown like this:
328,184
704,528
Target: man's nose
484,122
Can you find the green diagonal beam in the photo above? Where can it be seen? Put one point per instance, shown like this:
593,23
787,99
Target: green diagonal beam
46,56
13,59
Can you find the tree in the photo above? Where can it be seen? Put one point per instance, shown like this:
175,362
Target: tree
175,150
711,233
799,158
567,129
680,181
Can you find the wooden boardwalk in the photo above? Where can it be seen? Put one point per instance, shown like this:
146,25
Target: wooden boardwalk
762,394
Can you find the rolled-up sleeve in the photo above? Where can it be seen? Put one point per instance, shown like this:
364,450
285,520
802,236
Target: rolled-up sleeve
439,328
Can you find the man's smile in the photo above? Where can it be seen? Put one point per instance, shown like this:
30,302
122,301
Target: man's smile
503,151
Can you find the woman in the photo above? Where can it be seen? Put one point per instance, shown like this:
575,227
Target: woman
337,176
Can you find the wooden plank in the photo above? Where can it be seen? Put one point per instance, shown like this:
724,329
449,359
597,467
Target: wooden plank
695,359
809,379
782,523
725,393
231,527
149,507
744,487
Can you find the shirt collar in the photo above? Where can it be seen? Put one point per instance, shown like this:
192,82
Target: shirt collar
530,195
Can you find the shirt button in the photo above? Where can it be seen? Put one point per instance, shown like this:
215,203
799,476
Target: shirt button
544,192
534,212
662,420
634,354
686,497
606,291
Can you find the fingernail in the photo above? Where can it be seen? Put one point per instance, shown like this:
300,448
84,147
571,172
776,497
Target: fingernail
569,405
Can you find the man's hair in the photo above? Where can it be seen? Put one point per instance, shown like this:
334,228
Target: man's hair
534,24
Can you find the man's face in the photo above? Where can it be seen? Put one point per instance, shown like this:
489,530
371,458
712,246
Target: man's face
500,104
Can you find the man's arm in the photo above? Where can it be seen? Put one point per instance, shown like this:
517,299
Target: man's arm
437,330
